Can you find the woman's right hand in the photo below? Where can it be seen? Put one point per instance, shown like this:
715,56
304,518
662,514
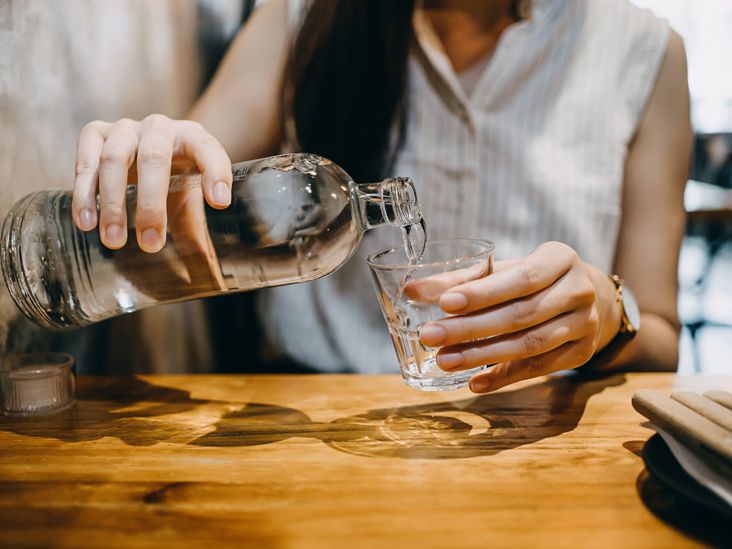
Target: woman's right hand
106,154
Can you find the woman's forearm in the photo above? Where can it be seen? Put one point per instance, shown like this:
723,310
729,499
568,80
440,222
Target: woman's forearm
654,348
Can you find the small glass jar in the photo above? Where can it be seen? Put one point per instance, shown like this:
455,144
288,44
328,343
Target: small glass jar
36,384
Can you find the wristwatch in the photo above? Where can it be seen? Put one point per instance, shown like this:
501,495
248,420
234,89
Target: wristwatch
630,316
630,321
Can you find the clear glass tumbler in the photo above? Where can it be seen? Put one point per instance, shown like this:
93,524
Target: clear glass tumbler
409,294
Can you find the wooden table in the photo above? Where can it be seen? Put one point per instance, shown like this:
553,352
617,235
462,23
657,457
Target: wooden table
333,461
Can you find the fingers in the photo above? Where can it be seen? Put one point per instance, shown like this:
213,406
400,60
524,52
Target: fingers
429,288
535,272
88,151
520,345
104,155
569,355
154,157
118,153
568,293
211,160
501,264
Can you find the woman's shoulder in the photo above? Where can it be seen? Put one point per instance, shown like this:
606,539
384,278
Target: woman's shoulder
627,22
606,8
616,34
625,45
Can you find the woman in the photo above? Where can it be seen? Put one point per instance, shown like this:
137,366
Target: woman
564,121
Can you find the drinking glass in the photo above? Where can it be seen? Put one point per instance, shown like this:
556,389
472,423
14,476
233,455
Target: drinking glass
409,294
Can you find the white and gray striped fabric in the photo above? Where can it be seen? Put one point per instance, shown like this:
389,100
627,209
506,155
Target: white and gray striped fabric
535,153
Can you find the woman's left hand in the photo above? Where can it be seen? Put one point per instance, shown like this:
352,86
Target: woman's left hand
547,312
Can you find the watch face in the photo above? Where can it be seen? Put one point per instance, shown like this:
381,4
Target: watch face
632,311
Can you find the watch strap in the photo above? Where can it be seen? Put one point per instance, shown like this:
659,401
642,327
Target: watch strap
625,334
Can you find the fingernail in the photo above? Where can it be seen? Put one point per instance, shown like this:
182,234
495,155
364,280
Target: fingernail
480,384
151,240
221,194
86,219
450,361
453,302
432,334
114,235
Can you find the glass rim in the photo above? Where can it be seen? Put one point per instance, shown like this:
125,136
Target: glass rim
488,248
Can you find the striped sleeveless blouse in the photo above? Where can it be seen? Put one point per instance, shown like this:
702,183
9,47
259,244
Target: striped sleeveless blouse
535,152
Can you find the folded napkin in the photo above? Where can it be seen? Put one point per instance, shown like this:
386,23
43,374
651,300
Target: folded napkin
697,469
698,431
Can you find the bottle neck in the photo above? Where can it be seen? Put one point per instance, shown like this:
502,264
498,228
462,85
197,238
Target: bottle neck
392,201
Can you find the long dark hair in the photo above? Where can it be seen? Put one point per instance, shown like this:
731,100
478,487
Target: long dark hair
345,82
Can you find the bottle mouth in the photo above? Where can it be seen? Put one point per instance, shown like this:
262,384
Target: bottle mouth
401,194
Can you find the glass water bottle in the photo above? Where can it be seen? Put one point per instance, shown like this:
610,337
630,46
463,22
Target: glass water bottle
293,218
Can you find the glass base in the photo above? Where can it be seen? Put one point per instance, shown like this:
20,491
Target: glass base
37,412
442,383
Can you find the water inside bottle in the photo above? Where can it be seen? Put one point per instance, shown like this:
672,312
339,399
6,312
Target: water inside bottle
281,229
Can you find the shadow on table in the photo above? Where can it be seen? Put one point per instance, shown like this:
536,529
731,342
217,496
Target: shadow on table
142,414
678,512
478,426
136,412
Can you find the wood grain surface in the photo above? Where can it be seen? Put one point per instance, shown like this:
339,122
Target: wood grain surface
340,461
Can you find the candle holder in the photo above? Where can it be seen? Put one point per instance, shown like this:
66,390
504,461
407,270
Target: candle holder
36,384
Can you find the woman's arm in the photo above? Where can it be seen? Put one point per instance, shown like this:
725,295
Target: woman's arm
242,105
652,226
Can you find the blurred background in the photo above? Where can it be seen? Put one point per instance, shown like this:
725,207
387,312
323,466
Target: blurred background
705,267
66,62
